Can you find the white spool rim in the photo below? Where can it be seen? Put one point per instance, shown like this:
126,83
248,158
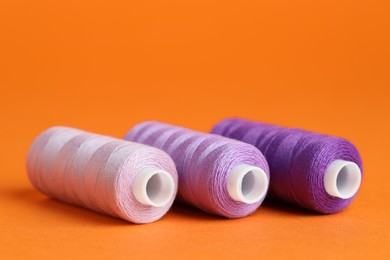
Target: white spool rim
247,183
153,187
342,179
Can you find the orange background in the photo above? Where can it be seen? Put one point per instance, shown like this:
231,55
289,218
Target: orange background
104,66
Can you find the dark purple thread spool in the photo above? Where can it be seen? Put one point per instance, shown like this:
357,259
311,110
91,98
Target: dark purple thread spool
219,175
314,171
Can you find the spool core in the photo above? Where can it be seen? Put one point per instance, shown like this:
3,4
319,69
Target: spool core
342,179
247,183
153,187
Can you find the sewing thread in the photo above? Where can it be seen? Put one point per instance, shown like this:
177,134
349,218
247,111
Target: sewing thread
216,174
314,171
131,181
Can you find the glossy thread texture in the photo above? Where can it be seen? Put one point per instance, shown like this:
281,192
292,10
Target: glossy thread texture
95,171
203,163
297,159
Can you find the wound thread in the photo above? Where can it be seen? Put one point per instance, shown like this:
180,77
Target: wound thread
314,171
99,172
205,164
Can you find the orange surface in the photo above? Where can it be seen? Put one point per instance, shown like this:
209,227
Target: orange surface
104,66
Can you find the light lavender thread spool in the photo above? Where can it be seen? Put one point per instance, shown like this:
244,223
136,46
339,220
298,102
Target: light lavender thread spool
131,181
216,174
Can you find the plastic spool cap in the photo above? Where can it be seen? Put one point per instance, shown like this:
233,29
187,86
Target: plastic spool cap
153,187
247,183
342,179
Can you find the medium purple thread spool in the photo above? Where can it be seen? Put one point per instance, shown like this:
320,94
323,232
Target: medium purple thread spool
131,181
314,171
216,174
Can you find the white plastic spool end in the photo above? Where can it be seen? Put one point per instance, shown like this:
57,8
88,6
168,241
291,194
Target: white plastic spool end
342,179
153,187
247,183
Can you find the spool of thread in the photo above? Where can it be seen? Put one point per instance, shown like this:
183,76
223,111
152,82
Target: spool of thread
314,171
131,181
217,175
